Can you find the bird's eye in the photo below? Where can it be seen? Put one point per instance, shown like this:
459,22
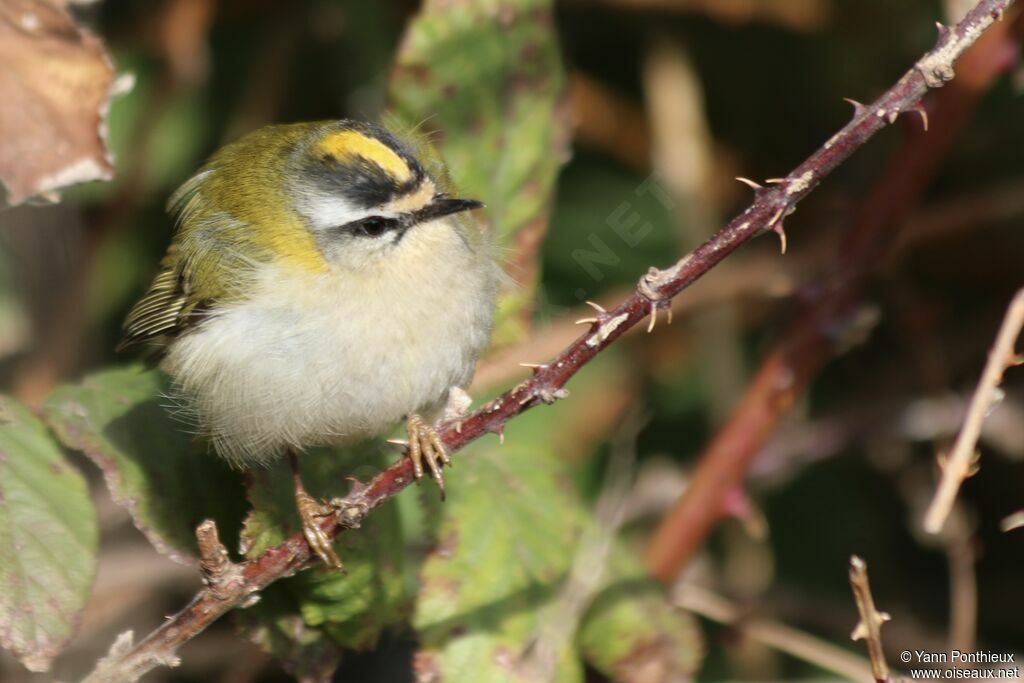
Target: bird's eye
374,226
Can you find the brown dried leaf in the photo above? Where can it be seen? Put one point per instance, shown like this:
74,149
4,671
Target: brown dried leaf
55,87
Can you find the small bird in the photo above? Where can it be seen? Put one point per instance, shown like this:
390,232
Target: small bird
322,286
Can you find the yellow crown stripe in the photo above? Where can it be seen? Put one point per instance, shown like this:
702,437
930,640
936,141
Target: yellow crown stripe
349,143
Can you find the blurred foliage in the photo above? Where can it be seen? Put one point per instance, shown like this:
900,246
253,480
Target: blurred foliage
124,422
468,583
485,81
499,574
350,608
48,539
631,630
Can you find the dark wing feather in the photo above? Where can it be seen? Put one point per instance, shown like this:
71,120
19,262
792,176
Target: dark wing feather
165,310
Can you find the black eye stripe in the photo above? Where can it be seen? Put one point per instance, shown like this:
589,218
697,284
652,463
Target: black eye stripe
372,226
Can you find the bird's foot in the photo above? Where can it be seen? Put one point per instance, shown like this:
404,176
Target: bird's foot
425,447
312,512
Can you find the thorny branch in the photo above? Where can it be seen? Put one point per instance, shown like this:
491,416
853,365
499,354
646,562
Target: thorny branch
960,463
869,628
831,314
654,292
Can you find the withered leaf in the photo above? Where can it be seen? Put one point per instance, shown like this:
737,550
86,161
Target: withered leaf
55,86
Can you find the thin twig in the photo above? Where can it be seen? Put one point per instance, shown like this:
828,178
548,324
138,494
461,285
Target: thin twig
869,628
962,557
774,634
959,465
654,292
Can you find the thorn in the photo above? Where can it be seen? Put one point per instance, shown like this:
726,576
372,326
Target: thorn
597,307
775,181
398,442
1012,522
533,366
858,108
668,318
893,115
501,437
944,32
654,318
586,321
779,230
919,108
749,183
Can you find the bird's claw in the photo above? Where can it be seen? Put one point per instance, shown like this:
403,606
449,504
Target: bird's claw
425,446
311,511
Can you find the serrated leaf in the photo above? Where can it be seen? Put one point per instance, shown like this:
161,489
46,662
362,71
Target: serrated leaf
633,634
505,545
350,608
48,540
511,531
168,480
485,80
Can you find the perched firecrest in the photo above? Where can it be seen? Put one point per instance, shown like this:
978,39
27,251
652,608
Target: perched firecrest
322,286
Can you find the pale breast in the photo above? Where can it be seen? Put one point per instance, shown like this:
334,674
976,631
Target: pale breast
331,358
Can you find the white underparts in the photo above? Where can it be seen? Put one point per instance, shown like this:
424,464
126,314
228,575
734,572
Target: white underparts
320,358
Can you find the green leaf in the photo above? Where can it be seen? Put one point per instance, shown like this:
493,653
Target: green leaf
632,630
505,545
493,592
485,79
350,608
275,624
48,540
168,480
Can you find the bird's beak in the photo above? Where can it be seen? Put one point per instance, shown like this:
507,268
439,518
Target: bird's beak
446,206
